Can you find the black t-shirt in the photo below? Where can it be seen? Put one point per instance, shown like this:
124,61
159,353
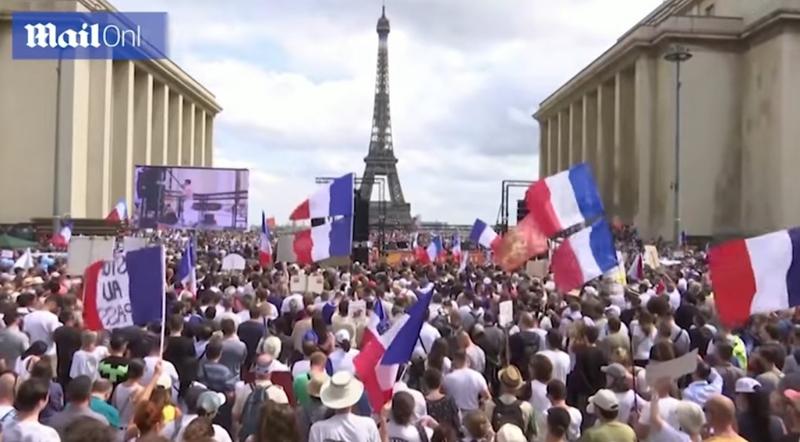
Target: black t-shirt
522,346
587,377
138,346
684,315
114,368
180,352
68,341
251,332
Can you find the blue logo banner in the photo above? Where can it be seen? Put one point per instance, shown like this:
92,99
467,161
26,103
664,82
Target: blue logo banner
90,35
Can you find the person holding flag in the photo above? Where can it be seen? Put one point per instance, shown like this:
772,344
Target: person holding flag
186,268
265,249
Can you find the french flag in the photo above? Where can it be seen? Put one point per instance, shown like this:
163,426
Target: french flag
584,256
456,250
118,213
126,291
265,248
381,354
186,268
379,321
756,275
62,237
484,235
564,199
636,270
322,242
434,249
335,198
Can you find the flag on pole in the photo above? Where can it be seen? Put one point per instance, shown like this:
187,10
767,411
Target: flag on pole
128,290
379,321
381,354
186,268
319,242
332,199
64,234
756,275
25,261
265,249
521,243
456,250
463,264
484,235
560,201
584,256
434,248
636,269
118,213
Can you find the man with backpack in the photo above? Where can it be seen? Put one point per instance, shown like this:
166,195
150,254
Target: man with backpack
523,345
250,397
508,409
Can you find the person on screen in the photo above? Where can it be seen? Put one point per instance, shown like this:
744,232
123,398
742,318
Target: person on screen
188,214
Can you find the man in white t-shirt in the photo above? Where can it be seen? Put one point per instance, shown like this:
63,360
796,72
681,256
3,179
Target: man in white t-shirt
341,393
465,385
667,407
690,417
40,324
558,357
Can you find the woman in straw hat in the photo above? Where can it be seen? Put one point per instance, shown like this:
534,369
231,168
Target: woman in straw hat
340,393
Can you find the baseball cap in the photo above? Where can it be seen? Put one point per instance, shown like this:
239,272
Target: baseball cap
604,399
615,370
749,385
342,336
210,401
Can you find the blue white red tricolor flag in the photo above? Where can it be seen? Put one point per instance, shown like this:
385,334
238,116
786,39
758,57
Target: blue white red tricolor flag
456,250
265,248
381,354
756,275
119,212
564,199
186,268
320,242
583,256
128,290
332,199
64,234
636,270
484,235
379,321
434,248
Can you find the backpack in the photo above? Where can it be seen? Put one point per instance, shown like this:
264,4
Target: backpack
507,414
251,413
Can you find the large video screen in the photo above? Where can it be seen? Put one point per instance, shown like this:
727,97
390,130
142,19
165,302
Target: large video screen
190,198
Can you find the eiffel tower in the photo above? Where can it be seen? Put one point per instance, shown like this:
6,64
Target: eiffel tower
380,161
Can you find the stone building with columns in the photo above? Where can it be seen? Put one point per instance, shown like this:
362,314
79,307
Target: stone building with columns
740,119
113,115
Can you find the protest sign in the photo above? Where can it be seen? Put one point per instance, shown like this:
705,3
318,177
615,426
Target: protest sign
356,306
298,283
315,284
233,261
84,250
131,243
538,268
651,257
506,314
672,369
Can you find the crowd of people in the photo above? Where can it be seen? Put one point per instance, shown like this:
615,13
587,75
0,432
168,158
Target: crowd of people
243,358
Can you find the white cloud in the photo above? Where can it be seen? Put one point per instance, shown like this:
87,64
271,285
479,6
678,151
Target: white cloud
296,83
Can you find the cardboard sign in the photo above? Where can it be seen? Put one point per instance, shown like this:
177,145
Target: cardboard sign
315,284
84,250
673,369
285,248
298,283
233,261
651,257
538,268
131,243
506,314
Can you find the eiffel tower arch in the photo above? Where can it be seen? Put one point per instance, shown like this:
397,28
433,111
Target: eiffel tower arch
380,160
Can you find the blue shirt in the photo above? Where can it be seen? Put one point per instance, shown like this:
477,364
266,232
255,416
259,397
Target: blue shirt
105,409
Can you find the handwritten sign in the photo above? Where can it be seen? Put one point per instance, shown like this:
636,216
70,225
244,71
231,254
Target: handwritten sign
672,369
506,314
84,250
114,302
233,261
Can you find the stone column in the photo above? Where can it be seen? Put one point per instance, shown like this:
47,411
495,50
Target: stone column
605,144
143,118
543,148
160,143
563,140
122,147
175,129
590,131
200,138
625,195
645,141
187,154
575,133
209,139
552,145
98,158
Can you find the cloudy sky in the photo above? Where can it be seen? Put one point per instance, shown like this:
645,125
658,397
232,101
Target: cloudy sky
296,81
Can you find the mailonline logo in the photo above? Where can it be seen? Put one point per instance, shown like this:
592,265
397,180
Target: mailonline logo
94,35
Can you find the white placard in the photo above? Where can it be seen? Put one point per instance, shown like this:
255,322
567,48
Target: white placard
315,284
131,243
233,261
6,254
506,314
298,283
356,306
651,258
113,294
672,369
84,250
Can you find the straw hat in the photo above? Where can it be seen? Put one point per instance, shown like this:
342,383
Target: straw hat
510,377
341,391
315,384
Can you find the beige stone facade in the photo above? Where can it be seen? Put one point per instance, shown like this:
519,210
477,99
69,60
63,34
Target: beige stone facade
114,115
740,136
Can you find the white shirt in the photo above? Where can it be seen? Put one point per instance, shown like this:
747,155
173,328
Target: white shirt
668,434
477,358
345,428
166,369
420,405
286,305
561,363
674,299
300,367
465,385
343,361
666,408
29,431
406,433
626,403
645,342
575,421
220,434
427,334
539,399
84,363
40,325
233,317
